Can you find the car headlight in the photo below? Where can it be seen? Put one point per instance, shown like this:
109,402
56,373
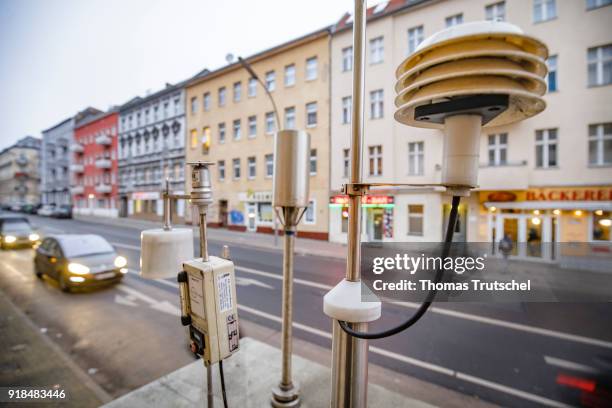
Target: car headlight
120,262
34,237
9,239
77,268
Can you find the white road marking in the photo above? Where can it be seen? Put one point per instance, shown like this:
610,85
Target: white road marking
15,272
125,300
280,277
423,364
558,362
126,246
163,306
248,282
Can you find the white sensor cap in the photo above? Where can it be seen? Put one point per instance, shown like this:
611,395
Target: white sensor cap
163,252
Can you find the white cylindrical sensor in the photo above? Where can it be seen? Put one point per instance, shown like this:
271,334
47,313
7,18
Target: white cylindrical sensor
291,169
461,150
162,252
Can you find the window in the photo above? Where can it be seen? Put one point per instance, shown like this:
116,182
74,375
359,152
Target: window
193,139
376,104
593,4
552,73
375,158
290,75
270,80
206,101
311,68
602,221
269,122
221,133
194,107
205,139
544,10
600,144
454,20
290,118
347,59
252,88
498,149
496,12
600,65
311,114
416,158
221,169
251,167
269,165
236,168
313,162
237,91
546,148
252,126
347,109
222,95
377,50
415,220
265,213
346,162
310,216
236,128
415,36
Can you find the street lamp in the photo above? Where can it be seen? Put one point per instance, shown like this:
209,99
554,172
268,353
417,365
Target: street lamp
251,72
458,80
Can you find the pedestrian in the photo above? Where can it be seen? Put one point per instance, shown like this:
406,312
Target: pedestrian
506,245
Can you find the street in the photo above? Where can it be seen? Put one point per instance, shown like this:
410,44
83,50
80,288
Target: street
129,334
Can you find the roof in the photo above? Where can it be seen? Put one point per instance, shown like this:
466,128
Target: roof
380,10
138,100
79,116
260,55
28,142
97,116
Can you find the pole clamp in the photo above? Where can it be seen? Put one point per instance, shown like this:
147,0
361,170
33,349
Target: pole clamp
355,189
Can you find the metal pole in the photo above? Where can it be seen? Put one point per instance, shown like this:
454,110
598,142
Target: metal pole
203,243
209,389
286,394
167,209
350,355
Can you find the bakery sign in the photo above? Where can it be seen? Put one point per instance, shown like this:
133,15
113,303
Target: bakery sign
549,194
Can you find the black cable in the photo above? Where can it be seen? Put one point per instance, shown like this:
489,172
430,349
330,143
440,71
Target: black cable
448,239
222,383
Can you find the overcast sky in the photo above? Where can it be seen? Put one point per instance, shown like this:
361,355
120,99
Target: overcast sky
59,56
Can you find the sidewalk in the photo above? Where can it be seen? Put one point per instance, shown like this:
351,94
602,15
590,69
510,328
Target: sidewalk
29,359
303,246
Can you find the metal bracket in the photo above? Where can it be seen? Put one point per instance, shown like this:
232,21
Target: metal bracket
355,189
360,189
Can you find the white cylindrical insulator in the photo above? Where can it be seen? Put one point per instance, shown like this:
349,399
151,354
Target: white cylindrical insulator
163,252
461,150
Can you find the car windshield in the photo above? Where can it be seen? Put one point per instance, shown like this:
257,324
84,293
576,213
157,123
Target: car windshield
75,246
18,225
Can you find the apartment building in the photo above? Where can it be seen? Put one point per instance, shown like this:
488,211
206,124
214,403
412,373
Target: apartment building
55,159
94,167
151,150
19,172
231,122
547,179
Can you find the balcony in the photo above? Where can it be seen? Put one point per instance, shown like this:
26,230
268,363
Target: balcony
509,176
76,148
77,190
103,188
103,163
76,168
104,140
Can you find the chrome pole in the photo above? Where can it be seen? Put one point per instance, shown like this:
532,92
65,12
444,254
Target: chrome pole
350,355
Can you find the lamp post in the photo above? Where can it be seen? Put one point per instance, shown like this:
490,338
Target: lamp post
251,72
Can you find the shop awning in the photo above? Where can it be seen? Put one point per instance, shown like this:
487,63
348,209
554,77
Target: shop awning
551,205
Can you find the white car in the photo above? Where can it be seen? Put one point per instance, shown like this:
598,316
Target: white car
46,210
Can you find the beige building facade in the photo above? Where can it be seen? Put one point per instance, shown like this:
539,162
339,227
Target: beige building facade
231,122
19,172
547,179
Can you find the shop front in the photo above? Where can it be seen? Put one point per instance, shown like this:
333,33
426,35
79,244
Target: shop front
538,217
259,214
149,205
377,216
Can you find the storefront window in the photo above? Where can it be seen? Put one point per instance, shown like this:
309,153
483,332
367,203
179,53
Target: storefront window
265,213
415,219
344,218
602,221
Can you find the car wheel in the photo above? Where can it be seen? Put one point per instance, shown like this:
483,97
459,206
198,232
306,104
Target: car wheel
37,271
64,286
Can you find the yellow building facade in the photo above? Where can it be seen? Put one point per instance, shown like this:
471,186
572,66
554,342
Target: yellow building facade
231,122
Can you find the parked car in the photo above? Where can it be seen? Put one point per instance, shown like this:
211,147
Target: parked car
46,210
63,211
15,207
29,208
16,232
79,260
6,207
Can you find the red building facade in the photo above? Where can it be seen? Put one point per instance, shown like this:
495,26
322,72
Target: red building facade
94,169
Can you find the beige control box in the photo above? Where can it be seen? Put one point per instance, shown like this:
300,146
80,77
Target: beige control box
212,307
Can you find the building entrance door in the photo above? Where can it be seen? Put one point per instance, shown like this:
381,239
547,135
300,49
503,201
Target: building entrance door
251,217
532,235
377,224
223,213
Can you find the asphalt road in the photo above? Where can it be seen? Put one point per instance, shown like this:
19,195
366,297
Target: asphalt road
509,354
